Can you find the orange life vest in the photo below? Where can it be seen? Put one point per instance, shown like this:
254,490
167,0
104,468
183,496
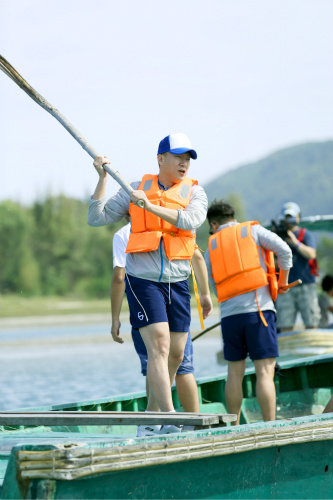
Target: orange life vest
148,229
235,262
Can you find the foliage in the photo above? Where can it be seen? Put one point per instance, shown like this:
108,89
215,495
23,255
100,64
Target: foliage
49,249
324,255
18,266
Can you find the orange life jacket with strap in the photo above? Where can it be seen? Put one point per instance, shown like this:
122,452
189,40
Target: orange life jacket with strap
235,262
148,229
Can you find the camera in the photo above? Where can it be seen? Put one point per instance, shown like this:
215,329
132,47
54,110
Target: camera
282,226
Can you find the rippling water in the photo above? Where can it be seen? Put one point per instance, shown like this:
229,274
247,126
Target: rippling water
46,365
58,364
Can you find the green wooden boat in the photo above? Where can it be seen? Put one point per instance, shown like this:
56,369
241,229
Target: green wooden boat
291,457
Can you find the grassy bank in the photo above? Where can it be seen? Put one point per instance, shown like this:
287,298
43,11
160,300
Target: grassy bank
15,306
18,306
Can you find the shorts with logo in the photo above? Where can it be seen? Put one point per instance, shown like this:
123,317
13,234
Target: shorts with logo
149,303
303,299
186,365
245,334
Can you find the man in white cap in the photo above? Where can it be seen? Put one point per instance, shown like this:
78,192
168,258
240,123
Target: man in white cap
160,246
303,298
187,389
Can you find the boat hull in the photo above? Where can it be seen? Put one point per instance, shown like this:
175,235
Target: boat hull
282,460
291,457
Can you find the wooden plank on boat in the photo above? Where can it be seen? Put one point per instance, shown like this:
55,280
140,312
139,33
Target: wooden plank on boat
112,418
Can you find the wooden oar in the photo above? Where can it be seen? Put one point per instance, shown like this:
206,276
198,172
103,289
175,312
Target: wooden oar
10,71
206,330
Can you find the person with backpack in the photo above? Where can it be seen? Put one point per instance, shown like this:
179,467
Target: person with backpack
303,298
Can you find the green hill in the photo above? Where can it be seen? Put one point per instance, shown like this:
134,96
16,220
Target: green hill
302,173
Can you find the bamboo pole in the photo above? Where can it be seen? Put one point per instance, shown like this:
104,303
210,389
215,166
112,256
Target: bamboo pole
14,75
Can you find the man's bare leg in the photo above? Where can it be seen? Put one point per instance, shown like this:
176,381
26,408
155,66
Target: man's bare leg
157,341
187,391
265,387
152,403
233,387
176,353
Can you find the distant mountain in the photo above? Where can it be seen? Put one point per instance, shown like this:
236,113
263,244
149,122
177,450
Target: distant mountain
302,173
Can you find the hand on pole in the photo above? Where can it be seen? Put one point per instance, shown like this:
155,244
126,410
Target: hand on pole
139,198
285,288
99,161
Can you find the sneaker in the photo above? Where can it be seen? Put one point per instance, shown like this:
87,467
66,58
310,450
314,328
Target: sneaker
147,430
188,428
170,429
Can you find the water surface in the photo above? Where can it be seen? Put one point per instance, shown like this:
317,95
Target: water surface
47,365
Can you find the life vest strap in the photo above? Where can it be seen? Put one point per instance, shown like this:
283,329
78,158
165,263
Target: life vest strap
313,263
197,298
262,317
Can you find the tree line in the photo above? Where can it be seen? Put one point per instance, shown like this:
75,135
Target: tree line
49,249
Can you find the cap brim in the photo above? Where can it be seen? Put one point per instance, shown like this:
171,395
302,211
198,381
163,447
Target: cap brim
290,212
180,151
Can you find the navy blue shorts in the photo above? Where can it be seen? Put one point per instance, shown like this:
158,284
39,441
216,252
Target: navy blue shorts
245,334
149,303
186,365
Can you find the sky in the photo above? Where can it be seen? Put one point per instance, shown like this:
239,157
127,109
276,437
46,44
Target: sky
242,78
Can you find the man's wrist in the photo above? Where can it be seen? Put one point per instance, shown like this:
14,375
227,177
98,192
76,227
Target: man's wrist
148,206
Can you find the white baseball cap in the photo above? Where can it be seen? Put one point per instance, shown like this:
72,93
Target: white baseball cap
291,208
176,144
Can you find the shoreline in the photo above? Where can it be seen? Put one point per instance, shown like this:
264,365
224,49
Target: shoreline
84,318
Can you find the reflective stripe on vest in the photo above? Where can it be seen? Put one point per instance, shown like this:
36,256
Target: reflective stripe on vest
235,262
148,229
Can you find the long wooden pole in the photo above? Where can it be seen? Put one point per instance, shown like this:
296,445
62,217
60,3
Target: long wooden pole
291,285
14,75
206,330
